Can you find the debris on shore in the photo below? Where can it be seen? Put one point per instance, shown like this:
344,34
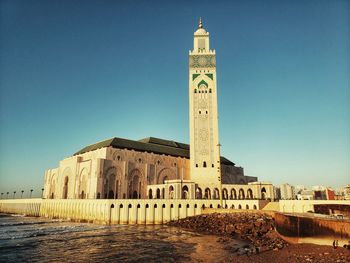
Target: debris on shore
257,229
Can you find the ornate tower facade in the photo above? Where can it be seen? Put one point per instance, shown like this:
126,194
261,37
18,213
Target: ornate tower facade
204,132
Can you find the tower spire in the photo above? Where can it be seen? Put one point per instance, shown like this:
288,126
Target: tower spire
200,23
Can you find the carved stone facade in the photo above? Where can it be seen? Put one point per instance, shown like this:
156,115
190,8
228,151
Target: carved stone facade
110,173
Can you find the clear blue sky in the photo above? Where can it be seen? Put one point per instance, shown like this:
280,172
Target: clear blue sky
77,72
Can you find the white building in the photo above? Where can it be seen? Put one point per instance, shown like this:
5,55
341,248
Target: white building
347,192
156,168
287,192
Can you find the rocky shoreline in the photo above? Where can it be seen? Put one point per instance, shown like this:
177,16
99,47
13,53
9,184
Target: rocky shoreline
263,241
257,229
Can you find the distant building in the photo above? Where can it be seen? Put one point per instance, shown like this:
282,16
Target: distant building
319,188
319,193
339,194
277,192
287,192
306,195
299,189
347,192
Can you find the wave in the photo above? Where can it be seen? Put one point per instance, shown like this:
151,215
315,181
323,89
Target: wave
25,223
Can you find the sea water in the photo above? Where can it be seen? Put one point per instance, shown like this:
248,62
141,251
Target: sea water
28,239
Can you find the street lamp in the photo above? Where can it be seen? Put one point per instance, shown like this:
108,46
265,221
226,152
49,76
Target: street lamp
31,190
7,195
42,192
22,194
14,194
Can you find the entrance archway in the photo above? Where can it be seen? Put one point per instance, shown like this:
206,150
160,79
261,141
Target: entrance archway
110,194
134,184
185,194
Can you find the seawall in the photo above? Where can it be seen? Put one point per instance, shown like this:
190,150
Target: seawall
298,228
29,207
119,211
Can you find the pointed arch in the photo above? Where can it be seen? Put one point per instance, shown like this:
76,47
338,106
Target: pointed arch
112,178
83,183
53,183
165,174
68,183
134,184
233,194
249,194
241,194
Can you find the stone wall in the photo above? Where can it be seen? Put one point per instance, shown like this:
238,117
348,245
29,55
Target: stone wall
301,227
127,211
304,206
29,207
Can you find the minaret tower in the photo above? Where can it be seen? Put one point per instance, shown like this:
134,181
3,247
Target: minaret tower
204,132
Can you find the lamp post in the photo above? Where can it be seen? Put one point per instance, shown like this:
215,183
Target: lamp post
31,190
219,175
7,195
14,194
42,192
22,194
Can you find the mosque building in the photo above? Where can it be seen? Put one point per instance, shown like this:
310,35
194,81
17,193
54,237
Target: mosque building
153,168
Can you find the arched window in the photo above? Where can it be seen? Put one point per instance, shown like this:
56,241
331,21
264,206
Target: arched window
184,194
263,193
204,164
150,196
249,194
224,194
241,194
198,193
233,194
171,192
207,193
65,188
216,193
195,90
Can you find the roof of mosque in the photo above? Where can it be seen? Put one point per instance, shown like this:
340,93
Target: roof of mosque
150,144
